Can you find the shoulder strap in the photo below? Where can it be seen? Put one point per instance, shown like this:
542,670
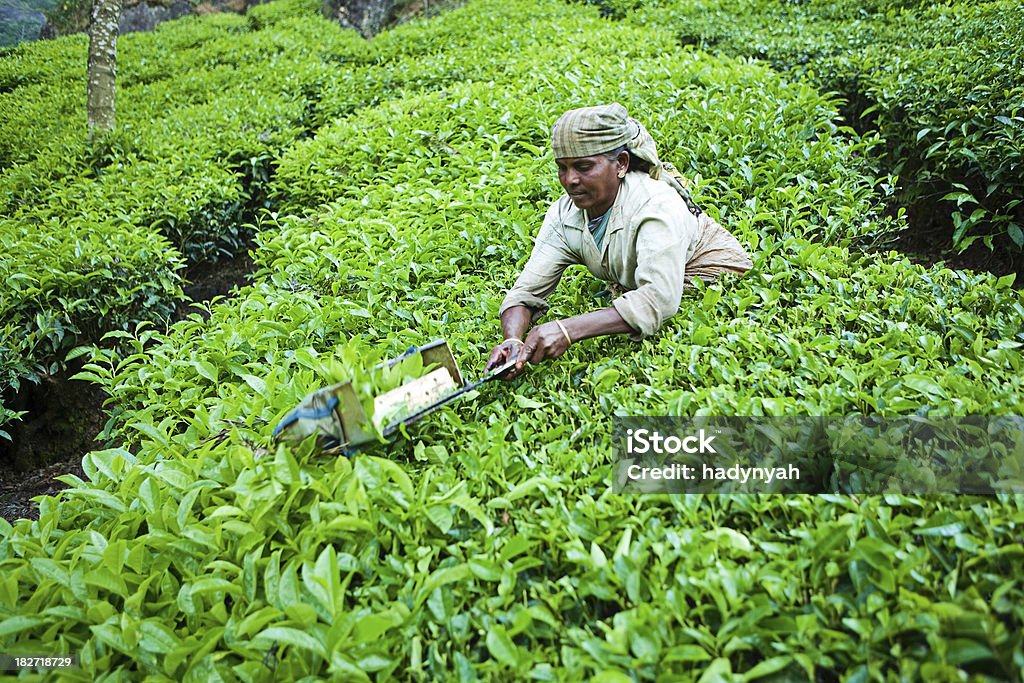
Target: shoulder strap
681,184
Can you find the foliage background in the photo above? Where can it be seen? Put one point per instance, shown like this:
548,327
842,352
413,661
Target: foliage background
939,81
21,20
392,188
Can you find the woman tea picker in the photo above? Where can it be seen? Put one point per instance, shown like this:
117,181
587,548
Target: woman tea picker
624,217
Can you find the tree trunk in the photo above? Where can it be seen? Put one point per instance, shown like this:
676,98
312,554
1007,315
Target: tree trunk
102,64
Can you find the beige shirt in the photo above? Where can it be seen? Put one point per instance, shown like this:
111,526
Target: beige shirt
648,240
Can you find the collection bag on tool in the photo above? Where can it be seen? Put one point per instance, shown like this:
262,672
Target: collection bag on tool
343,420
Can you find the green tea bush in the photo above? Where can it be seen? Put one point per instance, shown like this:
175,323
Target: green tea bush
204,108
938,81
488,543
700,112
953,117
72,279
35,110
283,11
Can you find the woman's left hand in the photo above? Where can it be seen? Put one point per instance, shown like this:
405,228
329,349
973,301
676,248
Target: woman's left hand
544,341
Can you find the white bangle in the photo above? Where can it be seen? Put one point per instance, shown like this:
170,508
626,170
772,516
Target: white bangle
515,339
564,331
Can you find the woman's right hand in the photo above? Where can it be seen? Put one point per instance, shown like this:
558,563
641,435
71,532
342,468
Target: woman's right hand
503,353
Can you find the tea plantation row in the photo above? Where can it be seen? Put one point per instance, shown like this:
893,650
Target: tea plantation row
940,82
488,544
95,236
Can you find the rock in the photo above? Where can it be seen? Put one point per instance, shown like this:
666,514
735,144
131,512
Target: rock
236,6
144,17
48,31
368,17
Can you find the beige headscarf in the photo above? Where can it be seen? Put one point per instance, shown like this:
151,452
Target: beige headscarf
596,130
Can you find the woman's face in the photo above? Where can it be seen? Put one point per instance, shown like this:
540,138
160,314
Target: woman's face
592,182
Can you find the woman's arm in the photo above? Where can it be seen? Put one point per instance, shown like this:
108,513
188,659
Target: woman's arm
661,244
552,339
548,339
515,321
526,301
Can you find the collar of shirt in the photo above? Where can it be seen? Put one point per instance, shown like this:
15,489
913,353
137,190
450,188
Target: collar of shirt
577,219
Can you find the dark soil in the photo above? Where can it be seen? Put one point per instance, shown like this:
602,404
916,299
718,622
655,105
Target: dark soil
208,280
63,416
929,240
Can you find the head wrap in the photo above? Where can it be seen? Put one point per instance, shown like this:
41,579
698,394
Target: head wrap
597,130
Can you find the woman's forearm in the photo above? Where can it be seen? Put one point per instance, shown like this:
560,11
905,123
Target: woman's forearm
596,324
515,322
550,339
